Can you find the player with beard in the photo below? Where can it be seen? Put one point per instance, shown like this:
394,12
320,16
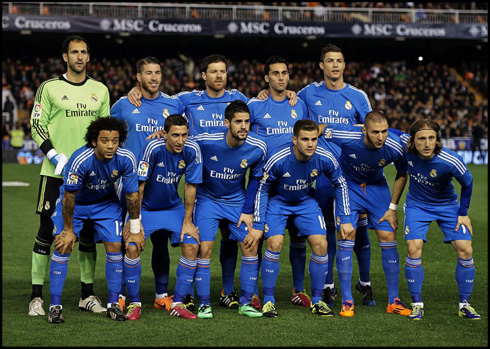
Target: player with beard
141,122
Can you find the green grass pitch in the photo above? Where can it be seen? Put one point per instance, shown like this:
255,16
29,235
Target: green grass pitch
295,326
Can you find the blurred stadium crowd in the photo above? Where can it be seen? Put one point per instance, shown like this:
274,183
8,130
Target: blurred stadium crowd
454,97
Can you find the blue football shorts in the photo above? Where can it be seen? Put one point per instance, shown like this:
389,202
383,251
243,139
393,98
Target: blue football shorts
105,217
168,220
306,216
418,217
373,199
207,215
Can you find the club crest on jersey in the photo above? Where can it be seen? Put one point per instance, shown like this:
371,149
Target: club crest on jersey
433,173
181,164
266,228
165,113
348,105
314,173
382,162
143,168
114,174
37,111
338,220
328,132
293,114
244,163
72,178
407,230
47,206
266,175
94,97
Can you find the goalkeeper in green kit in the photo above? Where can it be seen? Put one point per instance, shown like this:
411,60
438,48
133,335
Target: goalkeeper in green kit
63,108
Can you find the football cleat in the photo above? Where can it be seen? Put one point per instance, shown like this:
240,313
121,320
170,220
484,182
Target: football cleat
367,294
255,302
205,312
468,312
91,303
36,307
163,303
269,310
300,298
417,312
321,309
134,311
122,302
397,307
249,310
55,316
180,310
329,296
189,302
229,300
115,313
347,309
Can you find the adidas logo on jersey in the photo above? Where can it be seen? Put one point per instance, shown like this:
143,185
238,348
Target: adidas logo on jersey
267,116
160,164
136,111
65,98
200,107
286,175
92,173
318,102
410,163
214,158
353,156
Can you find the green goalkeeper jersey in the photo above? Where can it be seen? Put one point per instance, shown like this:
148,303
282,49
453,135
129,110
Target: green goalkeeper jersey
62,112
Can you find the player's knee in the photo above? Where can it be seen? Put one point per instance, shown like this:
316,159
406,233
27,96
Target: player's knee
132,251
205,250
189,251
113,247
85,245
274,243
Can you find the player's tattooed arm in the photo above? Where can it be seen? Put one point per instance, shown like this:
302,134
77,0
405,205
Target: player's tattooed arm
188,227
65,241
133,204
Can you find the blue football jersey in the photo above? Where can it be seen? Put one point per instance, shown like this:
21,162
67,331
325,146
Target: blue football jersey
431,180
143,121
274,120
94,179
360,164
225,168
206,114
288,180
162,171
348,105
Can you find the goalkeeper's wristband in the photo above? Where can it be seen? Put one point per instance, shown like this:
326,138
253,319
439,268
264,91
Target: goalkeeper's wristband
53,156
134,226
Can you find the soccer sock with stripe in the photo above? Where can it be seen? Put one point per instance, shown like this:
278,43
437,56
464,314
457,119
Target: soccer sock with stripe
160,261
362,250
270,272
132,276
259,256
391,267
114,275
228,252
58,269
40,266
414,273
249,271
185,275
297,257
344,268
465,276
331,251
203,280
318,267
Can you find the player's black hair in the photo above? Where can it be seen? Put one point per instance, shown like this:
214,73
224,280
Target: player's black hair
144,61
374,116
174,120
105,124
211,59
237,106
304,125
273,60
330,48
424,124
66,43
